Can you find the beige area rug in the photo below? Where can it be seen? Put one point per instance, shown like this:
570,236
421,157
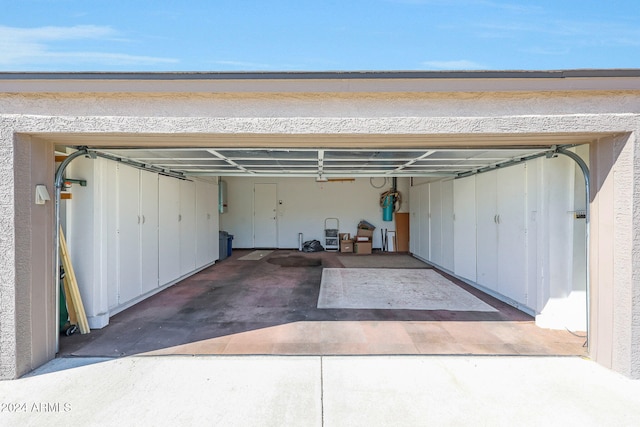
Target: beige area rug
255,255
381,261
375,288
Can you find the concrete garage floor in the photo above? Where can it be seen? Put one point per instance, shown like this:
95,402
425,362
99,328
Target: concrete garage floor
268,306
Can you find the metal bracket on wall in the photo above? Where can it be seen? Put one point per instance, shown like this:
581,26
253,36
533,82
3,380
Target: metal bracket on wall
82,182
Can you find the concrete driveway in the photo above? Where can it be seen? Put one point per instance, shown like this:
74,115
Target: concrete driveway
321,391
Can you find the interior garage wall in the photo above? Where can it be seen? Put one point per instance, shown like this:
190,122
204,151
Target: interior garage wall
561,258
305,205
511,233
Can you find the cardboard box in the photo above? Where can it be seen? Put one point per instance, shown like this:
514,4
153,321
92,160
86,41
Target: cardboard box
346,245
363,232
366,225
362,248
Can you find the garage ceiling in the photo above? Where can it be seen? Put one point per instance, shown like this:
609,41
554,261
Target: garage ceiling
322,156
322,163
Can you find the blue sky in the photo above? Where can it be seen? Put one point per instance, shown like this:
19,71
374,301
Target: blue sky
277,35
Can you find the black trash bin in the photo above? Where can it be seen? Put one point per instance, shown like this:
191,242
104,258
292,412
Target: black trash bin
230,245
223,244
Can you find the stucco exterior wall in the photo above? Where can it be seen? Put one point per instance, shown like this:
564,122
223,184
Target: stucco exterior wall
247,105
614,252
8,290
48,116
27,298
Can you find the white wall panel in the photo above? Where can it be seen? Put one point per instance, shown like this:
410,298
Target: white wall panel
562,300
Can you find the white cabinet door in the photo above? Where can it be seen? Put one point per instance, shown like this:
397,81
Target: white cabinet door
487,230
425,228
111,217
202,249
447,255
187,226
205,213
512,232
414,223
149,230
214,225
435,213
502,231
169,229
128,234
464,224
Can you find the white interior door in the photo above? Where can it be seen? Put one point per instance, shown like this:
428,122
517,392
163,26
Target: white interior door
265,207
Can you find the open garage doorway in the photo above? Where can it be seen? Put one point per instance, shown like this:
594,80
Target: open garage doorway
235,300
